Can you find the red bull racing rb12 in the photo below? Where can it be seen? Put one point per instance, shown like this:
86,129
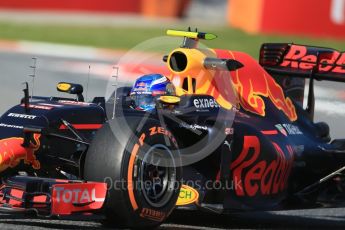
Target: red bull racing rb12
220,132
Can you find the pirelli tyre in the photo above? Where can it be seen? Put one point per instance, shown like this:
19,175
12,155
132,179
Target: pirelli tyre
141,169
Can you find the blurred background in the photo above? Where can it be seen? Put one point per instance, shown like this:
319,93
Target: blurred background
81,40
240,24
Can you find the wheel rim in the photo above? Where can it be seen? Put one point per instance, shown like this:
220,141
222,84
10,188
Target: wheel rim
157,178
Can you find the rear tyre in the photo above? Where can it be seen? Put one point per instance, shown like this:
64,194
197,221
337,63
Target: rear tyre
142,175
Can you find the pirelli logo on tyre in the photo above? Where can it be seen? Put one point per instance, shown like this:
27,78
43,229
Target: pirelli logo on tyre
152,214
188,195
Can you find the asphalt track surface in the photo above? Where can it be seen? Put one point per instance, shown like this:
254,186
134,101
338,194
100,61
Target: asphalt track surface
298,219
14,70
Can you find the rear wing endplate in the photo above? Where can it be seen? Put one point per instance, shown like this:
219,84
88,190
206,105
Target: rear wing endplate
303,61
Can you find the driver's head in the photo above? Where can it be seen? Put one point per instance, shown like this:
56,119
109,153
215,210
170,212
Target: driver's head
148,88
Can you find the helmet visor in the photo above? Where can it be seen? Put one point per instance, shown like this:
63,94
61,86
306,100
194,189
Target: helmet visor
143,101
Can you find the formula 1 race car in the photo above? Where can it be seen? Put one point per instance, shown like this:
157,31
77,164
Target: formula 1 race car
220,133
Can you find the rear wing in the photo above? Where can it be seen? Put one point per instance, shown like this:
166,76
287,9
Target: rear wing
303,61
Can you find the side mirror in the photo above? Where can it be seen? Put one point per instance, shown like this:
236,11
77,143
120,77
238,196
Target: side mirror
71,88
169,100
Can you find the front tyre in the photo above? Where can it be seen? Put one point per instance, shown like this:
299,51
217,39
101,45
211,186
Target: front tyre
143,174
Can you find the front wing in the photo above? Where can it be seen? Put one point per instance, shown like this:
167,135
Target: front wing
51,197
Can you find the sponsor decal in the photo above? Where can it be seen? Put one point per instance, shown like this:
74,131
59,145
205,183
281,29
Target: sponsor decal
12,152
43,107
161,130
261,176
141,92
192,126
251,84
67,102
76,195
11,126
152,214
188,195
288,129
158,92
141,87
141,84
281,129
298,58
292,129
227,144
23,116
205,103
68,198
